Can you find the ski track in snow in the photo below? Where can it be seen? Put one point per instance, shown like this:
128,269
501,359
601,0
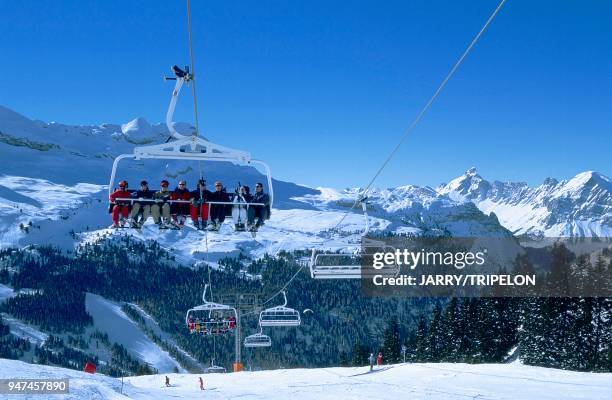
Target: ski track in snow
401,381
24,330
108,317
152,324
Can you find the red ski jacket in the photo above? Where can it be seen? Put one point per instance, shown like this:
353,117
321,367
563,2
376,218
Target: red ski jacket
120,194
180,194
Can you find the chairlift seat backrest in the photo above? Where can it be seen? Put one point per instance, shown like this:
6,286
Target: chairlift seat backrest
257,340
279,316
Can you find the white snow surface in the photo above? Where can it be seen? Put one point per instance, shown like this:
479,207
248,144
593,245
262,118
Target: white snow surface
402,381
108,317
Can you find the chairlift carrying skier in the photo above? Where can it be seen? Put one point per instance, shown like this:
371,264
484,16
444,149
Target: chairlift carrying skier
259,214
199,207
180,211
239,210
161,208
120,209
218,211
141,209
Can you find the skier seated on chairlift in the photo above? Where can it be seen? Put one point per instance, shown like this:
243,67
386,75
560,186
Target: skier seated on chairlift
259,214
239,210
218,211
120,209
141,209
180,211
199,207
191,324
231,322
161,209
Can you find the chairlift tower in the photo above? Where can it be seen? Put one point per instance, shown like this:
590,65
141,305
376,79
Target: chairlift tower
240,302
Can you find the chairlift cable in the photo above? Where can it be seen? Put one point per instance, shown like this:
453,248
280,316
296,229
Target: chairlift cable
424,110
406,134
411,127
193,87
192,61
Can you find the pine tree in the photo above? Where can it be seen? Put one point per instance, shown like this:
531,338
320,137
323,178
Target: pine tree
486,330
343,357
563,311
535,330
435,337
466,323
421,343
411,344
360,355
450,330
391,347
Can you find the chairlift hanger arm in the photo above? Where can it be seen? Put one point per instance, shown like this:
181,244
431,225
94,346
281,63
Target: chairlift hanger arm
180,76
172,106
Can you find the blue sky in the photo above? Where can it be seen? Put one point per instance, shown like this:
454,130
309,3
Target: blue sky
322,90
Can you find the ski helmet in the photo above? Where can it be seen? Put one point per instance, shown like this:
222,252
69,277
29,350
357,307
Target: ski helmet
164,183
123,184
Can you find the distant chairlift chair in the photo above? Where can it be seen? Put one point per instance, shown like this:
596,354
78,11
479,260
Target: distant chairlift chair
215,369
258,340
349,266
209,309
280,315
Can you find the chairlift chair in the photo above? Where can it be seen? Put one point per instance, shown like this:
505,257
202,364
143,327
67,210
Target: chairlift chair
280,315
258,339
188,148
349,266
215,369
208,309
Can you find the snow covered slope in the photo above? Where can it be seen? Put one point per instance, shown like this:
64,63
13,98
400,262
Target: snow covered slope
581,206
109,318
414,381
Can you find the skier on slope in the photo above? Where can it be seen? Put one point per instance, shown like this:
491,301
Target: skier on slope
167,381
201,383
379,359
371,359
118,207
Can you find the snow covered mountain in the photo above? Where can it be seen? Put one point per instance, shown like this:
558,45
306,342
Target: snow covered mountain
52,190
414,209
581,206
420,381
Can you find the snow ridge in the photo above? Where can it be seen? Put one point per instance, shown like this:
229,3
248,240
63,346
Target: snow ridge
579,207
